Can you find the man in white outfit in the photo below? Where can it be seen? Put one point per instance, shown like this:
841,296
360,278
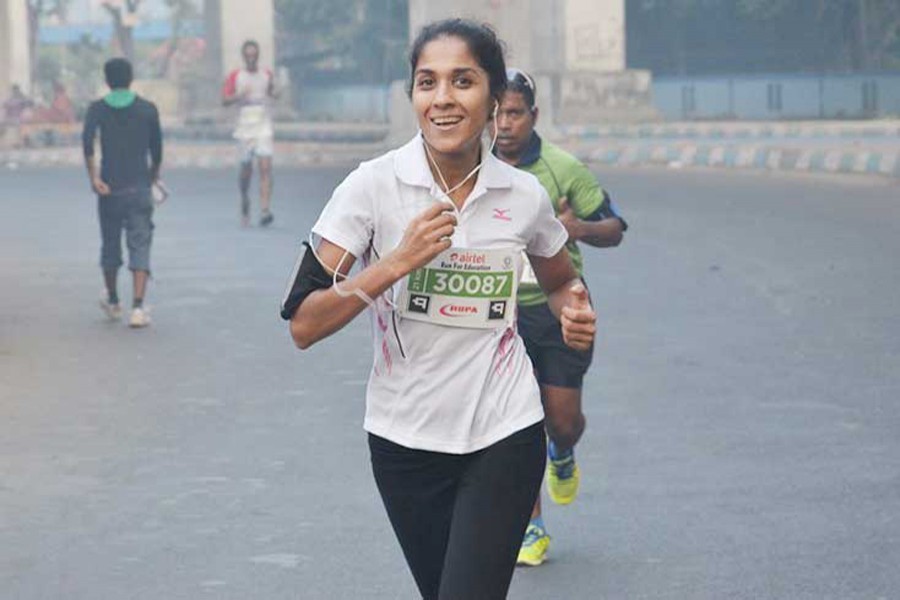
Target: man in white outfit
252,89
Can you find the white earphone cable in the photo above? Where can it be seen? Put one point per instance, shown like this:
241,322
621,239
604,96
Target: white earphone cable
446,191
335,285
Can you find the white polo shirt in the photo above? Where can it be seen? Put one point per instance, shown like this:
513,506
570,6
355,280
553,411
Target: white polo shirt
434,387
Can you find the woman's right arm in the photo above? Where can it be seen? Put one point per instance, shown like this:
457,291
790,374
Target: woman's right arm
325,312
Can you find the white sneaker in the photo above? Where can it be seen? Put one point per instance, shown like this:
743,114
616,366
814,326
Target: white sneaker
113,312
139,318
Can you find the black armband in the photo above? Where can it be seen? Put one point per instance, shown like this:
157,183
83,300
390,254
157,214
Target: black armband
309,275
607,210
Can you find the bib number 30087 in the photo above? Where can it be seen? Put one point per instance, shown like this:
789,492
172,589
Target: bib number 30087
469,284
463,288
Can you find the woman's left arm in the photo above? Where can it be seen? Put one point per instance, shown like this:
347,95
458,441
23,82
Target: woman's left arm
567,298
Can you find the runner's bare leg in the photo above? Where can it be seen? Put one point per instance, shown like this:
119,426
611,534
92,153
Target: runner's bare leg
246,174
265,183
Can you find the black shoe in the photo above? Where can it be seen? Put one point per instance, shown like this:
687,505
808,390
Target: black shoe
266,219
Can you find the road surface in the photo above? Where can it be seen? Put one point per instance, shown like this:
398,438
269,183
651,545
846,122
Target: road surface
743,420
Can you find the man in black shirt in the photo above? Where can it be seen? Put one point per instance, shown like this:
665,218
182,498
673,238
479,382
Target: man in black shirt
131,148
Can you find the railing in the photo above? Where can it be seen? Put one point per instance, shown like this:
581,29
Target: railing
779,97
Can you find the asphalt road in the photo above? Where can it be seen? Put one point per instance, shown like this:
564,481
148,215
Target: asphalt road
743,419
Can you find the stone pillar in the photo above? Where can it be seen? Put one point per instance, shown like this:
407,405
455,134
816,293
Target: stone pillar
228,24
15,55
510,18
595,35
594,86
574,48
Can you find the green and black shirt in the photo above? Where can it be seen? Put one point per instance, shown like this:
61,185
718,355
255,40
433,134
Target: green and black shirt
564,176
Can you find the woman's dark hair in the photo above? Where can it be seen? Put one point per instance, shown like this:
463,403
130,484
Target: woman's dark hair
248,44
118,73
481,40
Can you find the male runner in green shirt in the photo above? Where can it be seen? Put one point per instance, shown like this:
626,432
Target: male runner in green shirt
588,215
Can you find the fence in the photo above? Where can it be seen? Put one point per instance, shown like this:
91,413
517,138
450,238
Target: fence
773,97
344,103
745,97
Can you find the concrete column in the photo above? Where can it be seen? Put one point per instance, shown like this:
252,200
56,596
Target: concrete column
548,37
510,18
574,48
594,87
595,35
229,23
15,56
543,36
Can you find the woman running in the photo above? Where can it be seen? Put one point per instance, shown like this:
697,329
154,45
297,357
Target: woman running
441,228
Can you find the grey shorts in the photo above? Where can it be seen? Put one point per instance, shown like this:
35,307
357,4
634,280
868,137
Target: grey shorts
132,211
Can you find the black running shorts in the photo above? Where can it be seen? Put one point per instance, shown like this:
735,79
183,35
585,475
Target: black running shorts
554,363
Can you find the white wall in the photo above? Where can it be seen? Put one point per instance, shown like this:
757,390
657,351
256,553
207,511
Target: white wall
595,35
239,22
510,18
543,35
15,59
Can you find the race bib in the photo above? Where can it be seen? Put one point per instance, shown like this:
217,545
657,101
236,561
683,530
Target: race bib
527,274
475,289
253,123
252,115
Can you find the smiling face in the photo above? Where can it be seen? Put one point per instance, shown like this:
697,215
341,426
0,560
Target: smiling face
451,97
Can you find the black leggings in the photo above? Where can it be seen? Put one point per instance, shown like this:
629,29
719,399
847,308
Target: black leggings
460,519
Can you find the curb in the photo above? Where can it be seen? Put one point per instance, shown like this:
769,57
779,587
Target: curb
614,153
208,156
48,138
357,134
736,156
735,131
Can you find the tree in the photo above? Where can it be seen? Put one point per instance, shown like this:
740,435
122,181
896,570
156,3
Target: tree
124,16
180,12
310,30
739,36
37,11
884,43
363,39
85,62
866,31
667,28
